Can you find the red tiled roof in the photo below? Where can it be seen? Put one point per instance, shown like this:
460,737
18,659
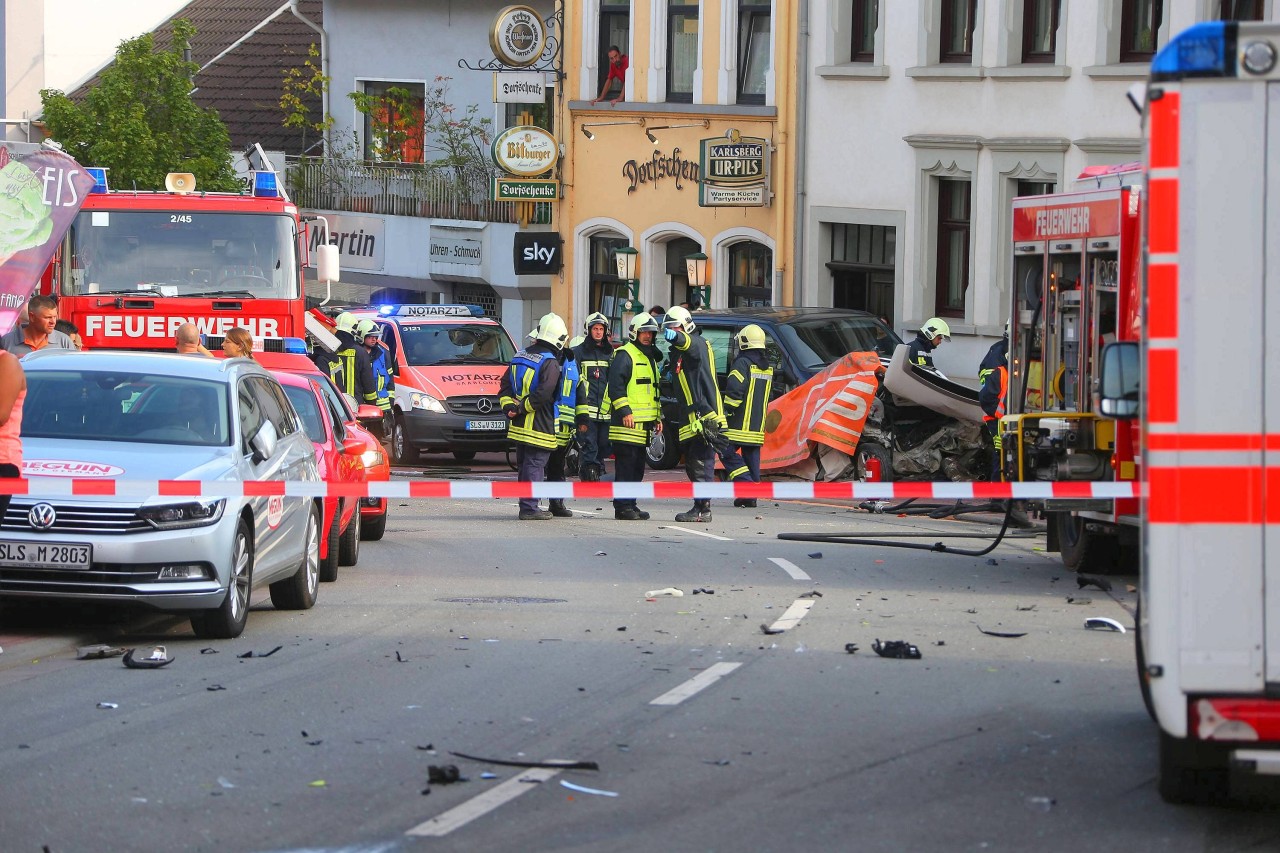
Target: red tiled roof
244,86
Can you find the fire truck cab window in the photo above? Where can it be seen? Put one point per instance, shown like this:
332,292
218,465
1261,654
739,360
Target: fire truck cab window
169,253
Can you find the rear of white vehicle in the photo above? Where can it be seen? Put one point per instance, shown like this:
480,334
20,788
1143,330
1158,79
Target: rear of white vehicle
1210,622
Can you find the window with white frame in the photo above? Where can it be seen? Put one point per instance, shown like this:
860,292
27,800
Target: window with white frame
1240,10
949,38
682,52
755,22
393,121
614,33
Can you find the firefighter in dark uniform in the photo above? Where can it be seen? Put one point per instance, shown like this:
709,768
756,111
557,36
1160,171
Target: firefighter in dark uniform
593,356
993,373
530,388
353,370
368,333
920,353
566,424
746,401
702,420
634,411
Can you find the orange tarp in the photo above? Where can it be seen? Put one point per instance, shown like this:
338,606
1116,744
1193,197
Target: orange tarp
830,408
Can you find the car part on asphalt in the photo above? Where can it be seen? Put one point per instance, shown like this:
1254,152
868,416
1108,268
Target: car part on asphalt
896,649
1012,635
1107,623
159,657
550,765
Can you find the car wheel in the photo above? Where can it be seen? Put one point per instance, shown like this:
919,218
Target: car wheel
371,529
1085,550
873,462
298,591
663,451
401,450
349,544
464,455
228,620
329,565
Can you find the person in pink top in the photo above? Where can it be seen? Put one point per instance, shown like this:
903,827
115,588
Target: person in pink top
13,390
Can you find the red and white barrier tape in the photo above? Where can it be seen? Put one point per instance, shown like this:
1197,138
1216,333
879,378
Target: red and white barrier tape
472,489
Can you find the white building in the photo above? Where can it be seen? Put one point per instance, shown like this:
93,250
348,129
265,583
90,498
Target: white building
923,119
410,44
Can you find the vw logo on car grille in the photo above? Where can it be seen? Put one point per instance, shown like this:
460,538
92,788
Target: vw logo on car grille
42,516
484,405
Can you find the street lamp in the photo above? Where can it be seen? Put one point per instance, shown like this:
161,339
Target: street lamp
626,258
696,267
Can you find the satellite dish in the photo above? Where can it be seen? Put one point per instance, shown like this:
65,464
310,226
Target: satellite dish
180,182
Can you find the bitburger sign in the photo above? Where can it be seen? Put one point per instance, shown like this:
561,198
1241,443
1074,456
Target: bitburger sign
525,151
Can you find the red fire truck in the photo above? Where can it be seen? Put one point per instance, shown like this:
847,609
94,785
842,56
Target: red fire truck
1075,288
136,265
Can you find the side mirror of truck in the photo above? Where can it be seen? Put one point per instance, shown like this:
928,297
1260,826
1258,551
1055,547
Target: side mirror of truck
327,263
1119,381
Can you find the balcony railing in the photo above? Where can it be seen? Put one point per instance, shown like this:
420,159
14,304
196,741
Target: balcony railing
395,189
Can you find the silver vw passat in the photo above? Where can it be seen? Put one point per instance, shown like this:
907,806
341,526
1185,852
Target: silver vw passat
151,416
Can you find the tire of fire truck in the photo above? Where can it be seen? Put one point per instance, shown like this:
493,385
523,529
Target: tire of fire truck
871,455
1084,550
1193,772
401,450
1140,656
329,565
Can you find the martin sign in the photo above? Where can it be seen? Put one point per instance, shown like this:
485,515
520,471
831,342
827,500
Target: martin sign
538,252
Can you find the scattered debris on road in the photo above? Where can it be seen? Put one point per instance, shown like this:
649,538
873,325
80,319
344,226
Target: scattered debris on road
215,687
1071,599
401,658
108,706
1095,622
1007,634
896,649
209,650
816,555
1089,580
584,790
445,774
669,591
97,652
704,590
552,765
159,657
767,630
851,648
252,654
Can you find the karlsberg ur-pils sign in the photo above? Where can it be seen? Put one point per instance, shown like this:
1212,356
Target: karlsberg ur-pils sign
526,151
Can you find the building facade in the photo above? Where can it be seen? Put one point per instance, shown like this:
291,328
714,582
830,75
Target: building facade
923,119
694,158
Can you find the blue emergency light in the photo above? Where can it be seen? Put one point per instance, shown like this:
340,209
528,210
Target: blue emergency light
297,345
1201,50
99,175
264,185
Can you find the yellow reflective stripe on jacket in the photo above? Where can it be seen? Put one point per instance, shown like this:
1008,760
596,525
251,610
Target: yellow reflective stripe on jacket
523,429
641,398
746,418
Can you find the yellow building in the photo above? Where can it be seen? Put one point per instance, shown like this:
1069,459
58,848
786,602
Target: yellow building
693,157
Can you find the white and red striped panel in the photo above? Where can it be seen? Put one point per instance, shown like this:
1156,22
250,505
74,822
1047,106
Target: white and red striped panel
55,487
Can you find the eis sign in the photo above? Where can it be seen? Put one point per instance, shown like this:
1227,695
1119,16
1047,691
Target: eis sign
538,252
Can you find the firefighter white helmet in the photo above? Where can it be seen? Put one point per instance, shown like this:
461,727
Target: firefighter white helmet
935,326
643,322
345,322
593,320
577,339
552,330
366,327
750,337
680,317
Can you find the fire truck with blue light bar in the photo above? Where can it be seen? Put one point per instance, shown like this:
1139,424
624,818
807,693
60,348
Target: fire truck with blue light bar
1200,384
136,265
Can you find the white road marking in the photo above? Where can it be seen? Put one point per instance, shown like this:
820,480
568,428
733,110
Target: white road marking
698,683
794,614
791,568
463,814
695,532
